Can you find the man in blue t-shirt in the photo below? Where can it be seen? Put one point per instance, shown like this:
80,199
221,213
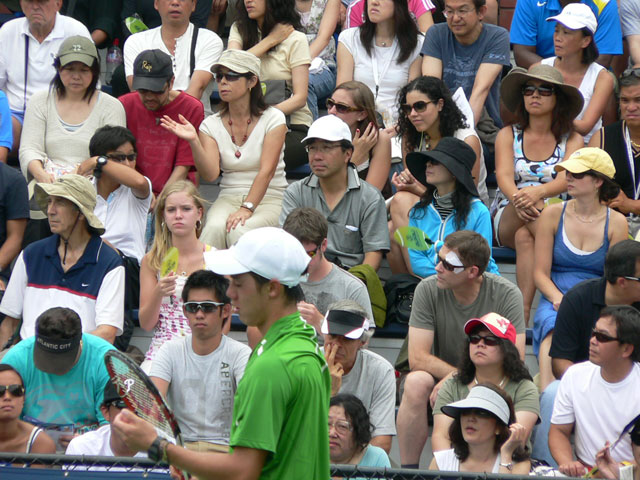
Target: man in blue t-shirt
532,35
14,213
467,53
63,371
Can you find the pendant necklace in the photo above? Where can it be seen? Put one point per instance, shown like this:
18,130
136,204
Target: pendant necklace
238,154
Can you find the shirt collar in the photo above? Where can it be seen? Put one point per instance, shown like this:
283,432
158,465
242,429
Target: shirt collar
90,254
56,32
353,180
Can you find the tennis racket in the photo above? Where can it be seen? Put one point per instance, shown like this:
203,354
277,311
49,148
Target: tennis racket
142,397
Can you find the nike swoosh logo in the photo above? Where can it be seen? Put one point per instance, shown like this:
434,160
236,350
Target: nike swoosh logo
85,284
542,4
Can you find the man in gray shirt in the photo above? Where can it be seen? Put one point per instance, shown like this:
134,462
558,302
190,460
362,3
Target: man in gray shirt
359,371
355,210
200,372
327,283
442,304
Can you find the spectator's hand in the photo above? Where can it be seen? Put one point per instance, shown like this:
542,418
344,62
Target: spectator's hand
607,466
87,167
137,434
44,177
311,315
573,469
183,130
154,199
556,302
335,369
64,440
218,7
405,182
621,203
167,285
434,394
527,214
238,217
280,32
517,438
526,198
363,142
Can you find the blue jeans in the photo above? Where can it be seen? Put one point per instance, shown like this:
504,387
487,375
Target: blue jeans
540,441
321,85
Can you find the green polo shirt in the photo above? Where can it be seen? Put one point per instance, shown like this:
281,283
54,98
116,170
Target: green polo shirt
282,403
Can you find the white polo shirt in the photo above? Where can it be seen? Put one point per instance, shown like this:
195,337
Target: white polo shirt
40,71
208,50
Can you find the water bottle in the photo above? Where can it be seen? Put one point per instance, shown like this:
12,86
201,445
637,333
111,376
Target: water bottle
114,59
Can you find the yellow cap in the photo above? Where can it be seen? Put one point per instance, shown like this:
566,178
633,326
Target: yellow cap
588,158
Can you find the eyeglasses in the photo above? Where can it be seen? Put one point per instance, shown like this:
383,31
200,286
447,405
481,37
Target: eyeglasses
463,12
324,149
419,107
603,337
121,157
478,412
578,176
312,253
342,427
543,90
489,340
631,71
629,277
450,267
341,107
229,76
14,390
206,307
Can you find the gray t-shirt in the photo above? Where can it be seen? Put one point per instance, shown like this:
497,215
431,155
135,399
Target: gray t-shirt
372,379
338,285
460,62
357,224
438,310
202,387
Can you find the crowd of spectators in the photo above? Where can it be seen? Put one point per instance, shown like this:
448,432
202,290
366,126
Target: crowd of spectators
356,127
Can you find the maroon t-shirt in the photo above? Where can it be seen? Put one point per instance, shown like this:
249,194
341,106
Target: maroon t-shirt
160,151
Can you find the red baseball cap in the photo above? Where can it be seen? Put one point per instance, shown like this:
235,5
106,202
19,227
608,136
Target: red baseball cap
496,324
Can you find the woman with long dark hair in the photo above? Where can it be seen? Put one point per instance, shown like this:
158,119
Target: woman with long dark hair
576,54
572,241
382,53
489,356
244,141
353,102
270,30
484,435
526,153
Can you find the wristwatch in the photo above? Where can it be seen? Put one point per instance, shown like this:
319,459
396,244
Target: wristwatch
249,206
100,162
508,466
158,450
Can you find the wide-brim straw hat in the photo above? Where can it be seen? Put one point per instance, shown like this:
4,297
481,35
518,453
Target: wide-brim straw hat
511,88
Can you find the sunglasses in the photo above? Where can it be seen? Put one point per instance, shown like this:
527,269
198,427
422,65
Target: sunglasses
419,107
489,340
341,107
312,253
14,390
603,337
229,76
579,176
631,71
543,90
450,267
478,412
206,307
121,157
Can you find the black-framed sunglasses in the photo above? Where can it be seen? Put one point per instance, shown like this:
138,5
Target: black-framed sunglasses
603,337
206,307
228,76
341,107
419,107
489,340
121,157
450,267
579,176
14,390
543,90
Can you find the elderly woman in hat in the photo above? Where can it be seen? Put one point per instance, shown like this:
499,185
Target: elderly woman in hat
526,153
245,141
74,267
576,54
59,122
489,356
449,203
484,435
572,240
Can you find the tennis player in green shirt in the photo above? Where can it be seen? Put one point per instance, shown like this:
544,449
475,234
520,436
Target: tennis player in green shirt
279,428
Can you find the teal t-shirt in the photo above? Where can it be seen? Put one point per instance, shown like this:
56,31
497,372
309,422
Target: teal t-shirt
282,403
74,397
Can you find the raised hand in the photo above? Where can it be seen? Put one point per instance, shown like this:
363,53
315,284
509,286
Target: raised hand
183,130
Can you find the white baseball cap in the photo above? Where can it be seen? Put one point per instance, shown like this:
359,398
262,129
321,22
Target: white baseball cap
576,16
329,128
269,252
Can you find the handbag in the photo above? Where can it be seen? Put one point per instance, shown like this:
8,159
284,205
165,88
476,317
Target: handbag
275,91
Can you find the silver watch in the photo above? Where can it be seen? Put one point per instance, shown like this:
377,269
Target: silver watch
249,206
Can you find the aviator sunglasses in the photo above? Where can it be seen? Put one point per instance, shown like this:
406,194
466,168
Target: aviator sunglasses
15,390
